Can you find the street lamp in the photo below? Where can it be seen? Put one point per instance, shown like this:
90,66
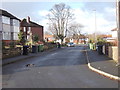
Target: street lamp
95,38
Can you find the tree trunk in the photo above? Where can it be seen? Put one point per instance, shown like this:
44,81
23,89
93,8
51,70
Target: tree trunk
62,41
77,41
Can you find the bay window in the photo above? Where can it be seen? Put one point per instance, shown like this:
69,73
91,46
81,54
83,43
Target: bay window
6,35
5,20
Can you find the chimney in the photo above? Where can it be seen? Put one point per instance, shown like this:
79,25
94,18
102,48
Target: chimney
28,19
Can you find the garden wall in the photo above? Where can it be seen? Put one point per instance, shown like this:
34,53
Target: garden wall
113,52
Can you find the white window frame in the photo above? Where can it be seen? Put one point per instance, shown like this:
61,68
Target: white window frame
24,29
6,35
15,36
16,22
5,20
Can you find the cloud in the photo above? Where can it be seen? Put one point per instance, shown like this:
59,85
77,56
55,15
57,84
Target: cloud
58,0
110,13
44,22
43,12
87,19
110,10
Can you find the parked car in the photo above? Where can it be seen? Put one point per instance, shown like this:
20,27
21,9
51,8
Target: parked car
71,44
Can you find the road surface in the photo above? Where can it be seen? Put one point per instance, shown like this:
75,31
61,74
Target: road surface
62,68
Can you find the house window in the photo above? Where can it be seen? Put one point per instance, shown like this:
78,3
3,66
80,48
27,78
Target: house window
6,36
15,22
29,29
28,37
15,36
16,29
5,20
24,29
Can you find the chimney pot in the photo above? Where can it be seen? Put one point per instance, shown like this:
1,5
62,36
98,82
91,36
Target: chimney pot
28,19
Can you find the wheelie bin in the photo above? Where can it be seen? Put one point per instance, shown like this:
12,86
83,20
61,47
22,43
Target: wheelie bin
25,50
34,48
100,49
41,48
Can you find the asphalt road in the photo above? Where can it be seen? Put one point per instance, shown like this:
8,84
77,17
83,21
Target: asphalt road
62,68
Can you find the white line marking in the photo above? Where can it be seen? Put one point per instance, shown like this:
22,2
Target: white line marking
53,54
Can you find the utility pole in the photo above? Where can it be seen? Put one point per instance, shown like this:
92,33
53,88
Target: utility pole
95,34
118,29
95,38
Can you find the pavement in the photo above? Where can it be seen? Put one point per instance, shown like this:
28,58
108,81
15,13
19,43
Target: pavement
97,63
24,57
103,65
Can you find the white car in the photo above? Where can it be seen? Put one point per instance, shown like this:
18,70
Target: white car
71,44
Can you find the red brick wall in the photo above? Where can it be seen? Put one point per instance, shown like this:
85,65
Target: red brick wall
38,31
7,42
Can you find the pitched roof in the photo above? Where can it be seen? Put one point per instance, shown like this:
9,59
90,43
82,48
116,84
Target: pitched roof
33,24
24,23
5,13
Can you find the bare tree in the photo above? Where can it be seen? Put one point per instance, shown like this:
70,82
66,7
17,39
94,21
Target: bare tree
59,18
75,31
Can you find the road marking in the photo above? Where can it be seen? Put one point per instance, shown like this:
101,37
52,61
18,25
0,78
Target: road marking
77,50
53,54
82,50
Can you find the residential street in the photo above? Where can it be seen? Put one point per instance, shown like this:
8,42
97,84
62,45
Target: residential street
62,68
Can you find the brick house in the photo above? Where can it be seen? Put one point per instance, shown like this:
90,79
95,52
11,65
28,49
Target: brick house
9,27
114,33
31,29
78,41
49,38
113,38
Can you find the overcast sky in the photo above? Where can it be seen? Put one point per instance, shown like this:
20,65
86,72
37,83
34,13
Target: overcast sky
84,14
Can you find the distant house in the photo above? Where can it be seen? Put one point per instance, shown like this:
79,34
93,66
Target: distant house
110,39
114,33
31,29
9,27
113,37
49,38
71,40
76,41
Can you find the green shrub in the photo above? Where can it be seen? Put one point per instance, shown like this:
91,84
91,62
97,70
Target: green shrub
12,45
3,45
21,37
101,41
35,39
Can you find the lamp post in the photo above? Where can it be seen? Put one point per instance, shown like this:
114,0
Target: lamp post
95,38
118,29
